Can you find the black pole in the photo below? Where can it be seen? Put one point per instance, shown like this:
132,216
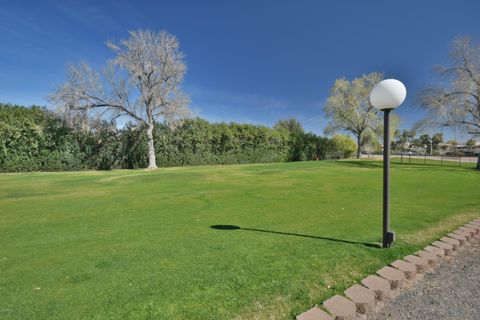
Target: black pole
387,236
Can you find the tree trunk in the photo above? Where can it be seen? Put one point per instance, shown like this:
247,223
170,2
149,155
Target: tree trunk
478,161
359,139
152,163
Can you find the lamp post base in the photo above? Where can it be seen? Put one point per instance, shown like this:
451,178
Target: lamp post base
388,239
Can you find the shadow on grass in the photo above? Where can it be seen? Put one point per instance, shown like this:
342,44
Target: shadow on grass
232,227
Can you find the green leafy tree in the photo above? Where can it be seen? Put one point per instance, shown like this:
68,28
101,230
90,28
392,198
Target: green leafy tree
452,145
298,142
403,140
437,138
133,142
370,143
349,109
344,145
424,141
291,125
470,144
378,131
37,139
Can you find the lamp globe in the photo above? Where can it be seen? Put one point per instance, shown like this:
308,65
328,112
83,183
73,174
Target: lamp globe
388,94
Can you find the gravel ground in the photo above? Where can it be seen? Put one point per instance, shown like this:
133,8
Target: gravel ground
452,291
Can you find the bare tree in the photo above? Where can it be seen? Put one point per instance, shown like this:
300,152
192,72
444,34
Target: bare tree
141,83
349,107
455,101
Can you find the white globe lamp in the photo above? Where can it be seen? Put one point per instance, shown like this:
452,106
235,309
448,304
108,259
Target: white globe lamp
388,94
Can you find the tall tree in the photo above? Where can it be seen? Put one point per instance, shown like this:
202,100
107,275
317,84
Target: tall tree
424,141
291,125
452,145
349,108
437,138
297,138
344,145
470,144
394,124
403,140
455,101
141,83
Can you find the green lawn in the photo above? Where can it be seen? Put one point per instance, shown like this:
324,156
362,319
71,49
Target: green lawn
139,245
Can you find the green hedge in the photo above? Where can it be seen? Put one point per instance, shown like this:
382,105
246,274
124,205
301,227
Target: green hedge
35,139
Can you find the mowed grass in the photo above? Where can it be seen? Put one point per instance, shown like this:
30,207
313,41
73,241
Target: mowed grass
139,245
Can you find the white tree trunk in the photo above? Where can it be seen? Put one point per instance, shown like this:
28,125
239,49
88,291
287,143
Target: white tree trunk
152,163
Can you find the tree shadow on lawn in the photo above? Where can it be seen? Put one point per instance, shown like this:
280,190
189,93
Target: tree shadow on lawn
232,227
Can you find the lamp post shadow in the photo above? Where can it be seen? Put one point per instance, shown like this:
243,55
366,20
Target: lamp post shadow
233,227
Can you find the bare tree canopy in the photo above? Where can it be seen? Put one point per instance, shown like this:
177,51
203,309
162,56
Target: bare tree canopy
455,100
142,83
349,108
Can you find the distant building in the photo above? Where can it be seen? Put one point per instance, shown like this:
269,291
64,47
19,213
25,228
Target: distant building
461,147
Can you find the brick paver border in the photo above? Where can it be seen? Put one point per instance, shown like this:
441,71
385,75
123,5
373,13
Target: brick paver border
375,289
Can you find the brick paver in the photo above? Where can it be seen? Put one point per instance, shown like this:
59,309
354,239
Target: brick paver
470,231
420,263
461,239
436,251
451,292
473,226
448,248
363,298
314,314
463,233
341,308
453,242
430,257
408,268
379,286
395,277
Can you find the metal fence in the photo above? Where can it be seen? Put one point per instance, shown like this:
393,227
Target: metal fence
441,160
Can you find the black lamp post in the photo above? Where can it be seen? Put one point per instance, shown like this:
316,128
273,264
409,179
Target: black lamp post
386,96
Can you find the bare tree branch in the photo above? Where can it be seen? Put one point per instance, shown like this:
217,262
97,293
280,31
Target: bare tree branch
142,82
456,102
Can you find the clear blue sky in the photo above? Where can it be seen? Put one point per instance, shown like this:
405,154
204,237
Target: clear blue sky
248,61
